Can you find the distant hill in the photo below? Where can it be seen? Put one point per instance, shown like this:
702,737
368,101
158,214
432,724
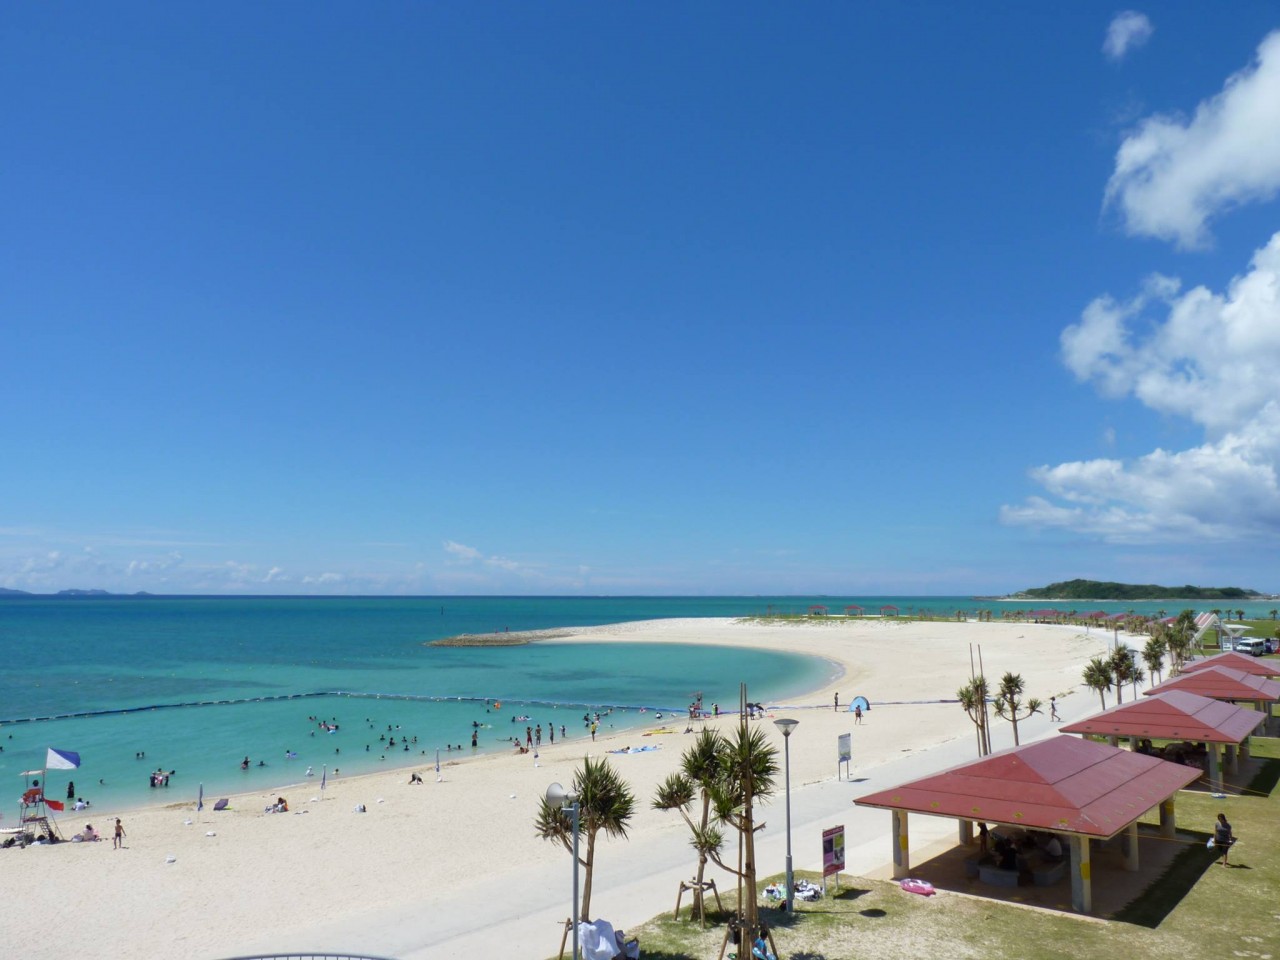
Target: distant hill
1106,590
82,593
6,592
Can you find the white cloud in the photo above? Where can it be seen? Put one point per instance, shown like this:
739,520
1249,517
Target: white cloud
1207,357
147,567
1127,31
324,578
461,552
1173,175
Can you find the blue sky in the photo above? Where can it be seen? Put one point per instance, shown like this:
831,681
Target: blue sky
604,298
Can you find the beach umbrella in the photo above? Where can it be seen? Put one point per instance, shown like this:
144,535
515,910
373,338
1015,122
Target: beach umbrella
324,776
200,799
437,764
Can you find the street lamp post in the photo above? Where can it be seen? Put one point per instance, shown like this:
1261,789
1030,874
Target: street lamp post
558,796
786,726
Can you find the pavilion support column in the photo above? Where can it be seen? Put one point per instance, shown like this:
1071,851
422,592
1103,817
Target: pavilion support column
1168,819
1215,769
1114,741
901,851
1244,750
966,832
1133,744
1081,884
1233,765
1131,847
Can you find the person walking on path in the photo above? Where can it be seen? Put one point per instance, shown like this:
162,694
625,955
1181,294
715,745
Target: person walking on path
1053,710
117,841
1223,837
836,708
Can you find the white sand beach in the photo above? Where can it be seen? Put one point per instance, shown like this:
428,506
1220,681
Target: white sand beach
453,869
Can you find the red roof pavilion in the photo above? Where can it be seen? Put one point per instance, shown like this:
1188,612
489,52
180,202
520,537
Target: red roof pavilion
1222,683
1236,661
1060,784
1173,715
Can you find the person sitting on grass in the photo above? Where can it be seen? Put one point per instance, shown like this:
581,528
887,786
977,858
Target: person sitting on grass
760,949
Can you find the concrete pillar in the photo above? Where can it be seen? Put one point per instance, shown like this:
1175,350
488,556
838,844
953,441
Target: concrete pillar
1133,744
966,832
1081,884
901,851
1168,819
1215,769
1232,765
1244,750
1114,741
1131,847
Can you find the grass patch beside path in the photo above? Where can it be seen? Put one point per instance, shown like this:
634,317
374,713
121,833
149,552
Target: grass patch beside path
1196,909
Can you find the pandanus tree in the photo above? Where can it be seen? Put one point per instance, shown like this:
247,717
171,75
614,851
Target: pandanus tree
605,802
747,772
1098,677
973,698
1009,705
690,787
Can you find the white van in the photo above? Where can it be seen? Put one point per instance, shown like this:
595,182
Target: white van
1254,646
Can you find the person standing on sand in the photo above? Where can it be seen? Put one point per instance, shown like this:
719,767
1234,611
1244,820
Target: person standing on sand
836,708
857,713
117,841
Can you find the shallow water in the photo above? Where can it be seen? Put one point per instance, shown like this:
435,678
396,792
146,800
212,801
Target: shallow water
86,656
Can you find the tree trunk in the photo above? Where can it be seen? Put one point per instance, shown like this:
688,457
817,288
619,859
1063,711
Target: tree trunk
588,867
698,905
1013,718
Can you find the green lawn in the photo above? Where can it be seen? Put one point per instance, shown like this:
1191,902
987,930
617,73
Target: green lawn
1196,909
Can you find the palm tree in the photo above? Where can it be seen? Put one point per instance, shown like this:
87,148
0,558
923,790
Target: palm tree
1153,653
1273,614
605,803
973,698
1137,677
1184,629
699,769
1240,615
1122,667
1098,676
1009,702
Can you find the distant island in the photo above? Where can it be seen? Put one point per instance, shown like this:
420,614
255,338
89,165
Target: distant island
7,592
1106,590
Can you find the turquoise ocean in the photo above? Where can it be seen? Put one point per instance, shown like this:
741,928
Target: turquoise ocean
195,684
